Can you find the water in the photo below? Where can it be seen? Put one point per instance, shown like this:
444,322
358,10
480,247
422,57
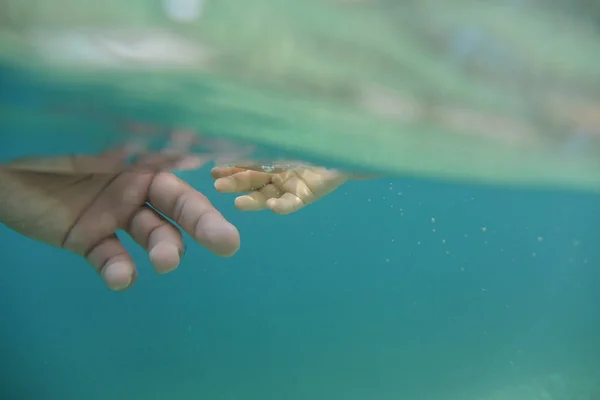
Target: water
394,288
387,289
403,87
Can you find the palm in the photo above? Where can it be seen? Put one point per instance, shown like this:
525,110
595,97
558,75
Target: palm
52,205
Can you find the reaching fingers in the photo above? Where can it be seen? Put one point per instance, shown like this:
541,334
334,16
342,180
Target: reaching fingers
282,193
244,181
162,240
194,213
257,200
290,191
114,264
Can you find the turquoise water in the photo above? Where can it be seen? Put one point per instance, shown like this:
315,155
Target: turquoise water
386,289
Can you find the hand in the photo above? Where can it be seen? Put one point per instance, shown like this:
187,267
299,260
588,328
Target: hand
283,192
81,212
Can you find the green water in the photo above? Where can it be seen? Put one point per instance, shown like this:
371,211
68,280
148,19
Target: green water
488,92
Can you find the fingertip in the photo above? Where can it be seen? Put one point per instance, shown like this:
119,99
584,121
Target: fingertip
215,173
224,185
119,276
239,203
248,203
272,205
230,243
165,257
278,207
224,172
218,235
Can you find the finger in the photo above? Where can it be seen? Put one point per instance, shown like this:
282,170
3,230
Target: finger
271,191
222,172
162,240
286,204
245,181
293,182
255,201
194,213
114,264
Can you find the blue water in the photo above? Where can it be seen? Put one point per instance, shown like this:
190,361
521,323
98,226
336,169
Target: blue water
386,289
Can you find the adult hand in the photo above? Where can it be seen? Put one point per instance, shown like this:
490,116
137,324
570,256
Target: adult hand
81,212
